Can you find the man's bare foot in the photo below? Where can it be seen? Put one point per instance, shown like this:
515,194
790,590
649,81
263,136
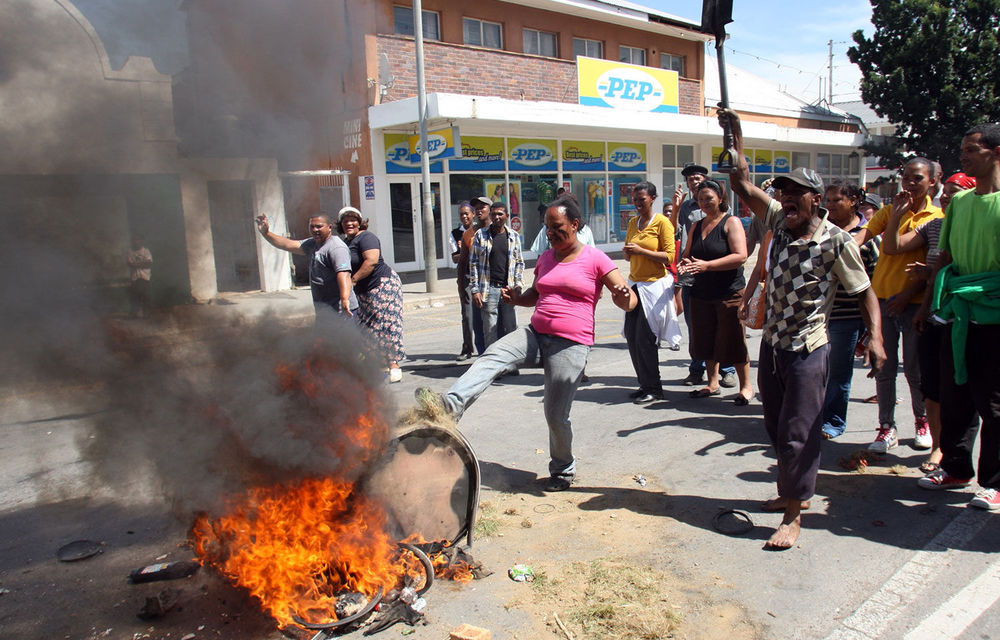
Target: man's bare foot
780,504
786,535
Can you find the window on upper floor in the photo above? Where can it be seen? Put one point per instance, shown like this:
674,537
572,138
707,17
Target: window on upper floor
540,43
402,19
672,62
482,33
588,48
632,55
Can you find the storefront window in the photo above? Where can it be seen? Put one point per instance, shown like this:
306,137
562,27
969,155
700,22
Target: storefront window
530,193
592,193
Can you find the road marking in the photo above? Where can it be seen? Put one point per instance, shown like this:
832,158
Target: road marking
955,616
875,615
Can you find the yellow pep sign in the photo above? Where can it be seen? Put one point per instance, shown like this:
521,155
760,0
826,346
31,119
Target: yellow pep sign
441,143
616,85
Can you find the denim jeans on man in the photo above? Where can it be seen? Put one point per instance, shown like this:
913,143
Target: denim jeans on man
499,318
844,336
563,361
885,382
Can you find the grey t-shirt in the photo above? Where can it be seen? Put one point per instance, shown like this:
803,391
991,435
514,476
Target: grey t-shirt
324,264
688,214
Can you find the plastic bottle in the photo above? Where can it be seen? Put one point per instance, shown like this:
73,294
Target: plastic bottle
164,571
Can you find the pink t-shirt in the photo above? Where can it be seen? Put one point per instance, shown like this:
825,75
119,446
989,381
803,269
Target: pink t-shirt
568,293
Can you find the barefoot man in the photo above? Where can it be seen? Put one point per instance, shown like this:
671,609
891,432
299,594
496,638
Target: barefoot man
808,257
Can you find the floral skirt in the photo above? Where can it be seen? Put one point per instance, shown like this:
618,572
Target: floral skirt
380,310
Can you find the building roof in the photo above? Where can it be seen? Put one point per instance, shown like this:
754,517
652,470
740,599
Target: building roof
753,94
863,111
623,13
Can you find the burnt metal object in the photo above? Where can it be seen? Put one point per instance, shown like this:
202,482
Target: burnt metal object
79,550
425,561
440,498
337,624
398,611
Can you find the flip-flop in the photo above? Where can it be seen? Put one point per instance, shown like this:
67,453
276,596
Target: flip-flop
704,393
741,401
871,399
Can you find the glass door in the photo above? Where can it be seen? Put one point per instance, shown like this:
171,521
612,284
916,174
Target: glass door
405,203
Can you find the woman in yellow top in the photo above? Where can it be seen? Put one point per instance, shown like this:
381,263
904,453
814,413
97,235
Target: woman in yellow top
649,248
899,300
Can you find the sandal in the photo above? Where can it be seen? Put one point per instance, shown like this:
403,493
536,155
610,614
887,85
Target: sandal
704,393
741,401
929,467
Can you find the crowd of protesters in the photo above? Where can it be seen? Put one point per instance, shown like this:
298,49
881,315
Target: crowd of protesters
841,274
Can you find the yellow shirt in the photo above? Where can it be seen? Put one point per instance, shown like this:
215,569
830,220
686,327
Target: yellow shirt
658,235
890,272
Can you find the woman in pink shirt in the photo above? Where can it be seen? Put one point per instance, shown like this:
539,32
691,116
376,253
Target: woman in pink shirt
568,282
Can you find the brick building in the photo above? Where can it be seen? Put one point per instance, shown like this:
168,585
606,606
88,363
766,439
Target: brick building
504,75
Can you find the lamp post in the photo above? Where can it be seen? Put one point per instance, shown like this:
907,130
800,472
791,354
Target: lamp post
427,201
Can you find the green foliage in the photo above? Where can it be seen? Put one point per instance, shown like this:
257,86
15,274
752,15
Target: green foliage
932,68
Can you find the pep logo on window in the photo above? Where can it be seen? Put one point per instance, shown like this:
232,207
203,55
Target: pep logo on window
615,85
399,153
531,154
625,157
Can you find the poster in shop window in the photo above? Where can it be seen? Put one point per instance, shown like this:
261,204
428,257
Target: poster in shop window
497,192
625,207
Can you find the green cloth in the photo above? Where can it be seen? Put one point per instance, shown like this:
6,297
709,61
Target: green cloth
964,299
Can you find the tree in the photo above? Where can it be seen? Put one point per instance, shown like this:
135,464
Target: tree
932,69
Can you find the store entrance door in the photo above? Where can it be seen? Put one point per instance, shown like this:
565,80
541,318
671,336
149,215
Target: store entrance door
405,201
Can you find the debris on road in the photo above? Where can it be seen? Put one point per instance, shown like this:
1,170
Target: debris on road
164,571
521,573
640,479
159,605
469,632
79,550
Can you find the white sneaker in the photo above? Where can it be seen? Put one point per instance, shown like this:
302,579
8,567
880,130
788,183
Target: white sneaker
395,375
885,440
922,439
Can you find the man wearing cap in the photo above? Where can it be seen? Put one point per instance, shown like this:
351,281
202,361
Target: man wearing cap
809,257
869,205
481,218
329,264
495,262
686,213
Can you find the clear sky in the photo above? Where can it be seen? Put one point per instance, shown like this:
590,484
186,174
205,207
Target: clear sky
786,41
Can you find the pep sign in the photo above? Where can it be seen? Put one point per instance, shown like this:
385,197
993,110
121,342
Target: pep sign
603,83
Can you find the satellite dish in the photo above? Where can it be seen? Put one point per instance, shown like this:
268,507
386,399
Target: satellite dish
385,78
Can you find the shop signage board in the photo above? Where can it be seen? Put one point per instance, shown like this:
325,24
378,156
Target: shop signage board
479,154
397,155
531,154
748,154
441,143
578,155
763,161
626,156
782,161
630,87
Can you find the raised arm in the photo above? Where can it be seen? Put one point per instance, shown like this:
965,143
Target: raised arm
892,242
752,195
279,242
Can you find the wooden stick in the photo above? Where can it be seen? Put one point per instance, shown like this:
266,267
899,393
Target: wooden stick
569,636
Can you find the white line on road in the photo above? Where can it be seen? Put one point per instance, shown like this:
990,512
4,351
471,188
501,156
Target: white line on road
875,614
955,616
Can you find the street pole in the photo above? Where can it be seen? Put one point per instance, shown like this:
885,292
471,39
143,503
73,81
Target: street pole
829,84
427,201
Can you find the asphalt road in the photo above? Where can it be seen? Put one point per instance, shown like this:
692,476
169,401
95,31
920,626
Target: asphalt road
878,557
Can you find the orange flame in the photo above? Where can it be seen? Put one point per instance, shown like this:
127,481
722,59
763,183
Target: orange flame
295,548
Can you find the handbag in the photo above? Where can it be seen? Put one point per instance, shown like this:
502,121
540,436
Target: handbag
758,300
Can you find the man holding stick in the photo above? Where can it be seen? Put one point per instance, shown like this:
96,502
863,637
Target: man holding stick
809,256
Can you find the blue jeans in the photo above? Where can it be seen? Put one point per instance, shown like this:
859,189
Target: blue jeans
476,321
698,366
894,328
563,361
499,318
844,336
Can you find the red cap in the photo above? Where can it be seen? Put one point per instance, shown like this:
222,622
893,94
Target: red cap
962,180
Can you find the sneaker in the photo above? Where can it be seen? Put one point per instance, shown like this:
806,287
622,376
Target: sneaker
462,357
988,499
646,398
728,380
430,400
558,483
694,379
885,440
923,438
395,375
940,479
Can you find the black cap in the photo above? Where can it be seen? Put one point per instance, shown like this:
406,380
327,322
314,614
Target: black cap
691,169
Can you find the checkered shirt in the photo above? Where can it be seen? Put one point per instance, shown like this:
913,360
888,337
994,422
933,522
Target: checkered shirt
802,281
